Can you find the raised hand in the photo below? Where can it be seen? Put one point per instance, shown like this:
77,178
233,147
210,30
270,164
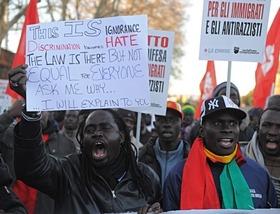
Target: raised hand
153,209
18,78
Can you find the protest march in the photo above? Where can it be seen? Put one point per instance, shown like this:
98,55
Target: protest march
88,123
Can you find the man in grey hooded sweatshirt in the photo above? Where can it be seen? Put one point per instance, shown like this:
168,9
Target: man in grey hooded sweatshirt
164,152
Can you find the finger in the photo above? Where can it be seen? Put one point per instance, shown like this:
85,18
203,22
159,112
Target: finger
158,211
19,69
15,72
155,208
140,211
22,80
143,210
17,77
24,66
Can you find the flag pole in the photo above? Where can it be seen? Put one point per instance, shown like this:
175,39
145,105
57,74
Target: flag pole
228,80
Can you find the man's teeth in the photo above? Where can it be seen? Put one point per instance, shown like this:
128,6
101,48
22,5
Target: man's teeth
226,139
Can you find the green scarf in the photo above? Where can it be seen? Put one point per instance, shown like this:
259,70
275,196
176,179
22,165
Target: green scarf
235,190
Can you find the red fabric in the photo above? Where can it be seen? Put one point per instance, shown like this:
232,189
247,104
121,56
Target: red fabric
45,137
267,70
31,17
207,85
27,195
198,190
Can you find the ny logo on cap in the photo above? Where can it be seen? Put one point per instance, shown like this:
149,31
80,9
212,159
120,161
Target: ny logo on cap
213,104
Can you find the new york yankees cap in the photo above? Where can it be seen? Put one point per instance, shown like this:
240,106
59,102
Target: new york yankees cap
219,104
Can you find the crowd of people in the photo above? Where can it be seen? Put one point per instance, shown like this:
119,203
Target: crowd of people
89,161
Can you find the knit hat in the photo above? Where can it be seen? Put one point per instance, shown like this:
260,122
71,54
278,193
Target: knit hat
176,107
188,109
273,102
217,90
221,104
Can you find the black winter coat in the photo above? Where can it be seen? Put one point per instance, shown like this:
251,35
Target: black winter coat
61,180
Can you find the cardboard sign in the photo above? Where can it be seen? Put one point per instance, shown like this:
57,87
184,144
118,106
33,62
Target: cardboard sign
160,53
234,30
88,64
5,100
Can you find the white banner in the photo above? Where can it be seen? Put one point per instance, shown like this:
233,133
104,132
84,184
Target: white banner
88,64
234,30
160,54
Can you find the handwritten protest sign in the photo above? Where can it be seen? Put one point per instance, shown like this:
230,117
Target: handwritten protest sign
5,100
160,50
234,30
88,64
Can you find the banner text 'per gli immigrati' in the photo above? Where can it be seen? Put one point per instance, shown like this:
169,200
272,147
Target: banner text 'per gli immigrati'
160,52
88,64
234,30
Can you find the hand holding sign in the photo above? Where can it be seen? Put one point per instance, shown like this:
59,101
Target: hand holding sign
17,78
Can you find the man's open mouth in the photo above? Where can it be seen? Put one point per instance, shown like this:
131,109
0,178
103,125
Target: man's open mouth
99,151
167,133
271,145
226,142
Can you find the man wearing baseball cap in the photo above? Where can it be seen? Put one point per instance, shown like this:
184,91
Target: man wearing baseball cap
215,174
164,152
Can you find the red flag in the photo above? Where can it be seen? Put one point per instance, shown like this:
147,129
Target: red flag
31,17
207,85
266,71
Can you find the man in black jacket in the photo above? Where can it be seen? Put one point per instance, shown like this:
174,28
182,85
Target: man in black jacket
104,178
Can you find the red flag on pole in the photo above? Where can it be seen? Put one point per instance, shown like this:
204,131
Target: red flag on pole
266,71
24,192
31,17
207,85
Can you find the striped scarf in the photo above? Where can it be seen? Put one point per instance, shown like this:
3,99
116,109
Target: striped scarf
198,190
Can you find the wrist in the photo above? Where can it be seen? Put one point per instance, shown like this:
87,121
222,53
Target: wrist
30,115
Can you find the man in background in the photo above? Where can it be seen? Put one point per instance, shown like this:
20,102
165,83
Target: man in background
70,127
264,147
188,122
165,151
